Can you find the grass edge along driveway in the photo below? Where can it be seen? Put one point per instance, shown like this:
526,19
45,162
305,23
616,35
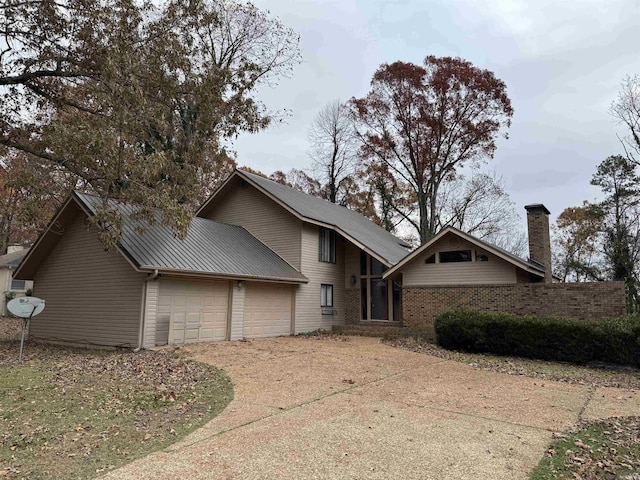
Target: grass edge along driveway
77,413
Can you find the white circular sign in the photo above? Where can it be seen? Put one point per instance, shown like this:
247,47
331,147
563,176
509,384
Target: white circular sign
26,307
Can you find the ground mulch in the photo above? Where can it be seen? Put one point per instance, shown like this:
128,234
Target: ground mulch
594,375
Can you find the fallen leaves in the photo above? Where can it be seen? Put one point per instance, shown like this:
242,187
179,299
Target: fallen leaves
75,412
600,376
603,449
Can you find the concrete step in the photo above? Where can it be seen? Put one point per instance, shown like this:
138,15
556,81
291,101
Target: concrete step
378,330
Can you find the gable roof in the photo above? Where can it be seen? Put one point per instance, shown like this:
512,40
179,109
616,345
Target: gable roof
13,259
209,248
362,232
527,265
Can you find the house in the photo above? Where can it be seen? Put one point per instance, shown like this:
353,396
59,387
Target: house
12,287
259,259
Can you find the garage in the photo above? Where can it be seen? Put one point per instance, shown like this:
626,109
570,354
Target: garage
192,310
268,309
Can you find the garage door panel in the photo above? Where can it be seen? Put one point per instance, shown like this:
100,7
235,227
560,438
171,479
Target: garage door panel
197,309
267,310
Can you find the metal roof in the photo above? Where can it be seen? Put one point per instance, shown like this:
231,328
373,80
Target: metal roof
351,224
209,248
13,259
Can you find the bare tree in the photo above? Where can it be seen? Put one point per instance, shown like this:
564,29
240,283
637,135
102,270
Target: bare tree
333,150
480,205
626,109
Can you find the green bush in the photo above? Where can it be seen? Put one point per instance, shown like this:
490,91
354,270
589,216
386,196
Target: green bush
615,341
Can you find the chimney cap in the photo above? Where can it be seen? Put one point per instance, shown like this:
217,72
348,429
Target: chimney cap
537,207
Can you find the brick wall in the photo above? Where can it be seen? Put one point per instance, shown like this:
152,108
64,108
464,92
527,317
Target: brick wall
352,306
584,301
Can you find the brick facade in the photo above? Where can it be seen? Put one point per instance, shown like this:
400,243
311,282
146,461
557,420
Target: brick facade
352,306
585,301
539,239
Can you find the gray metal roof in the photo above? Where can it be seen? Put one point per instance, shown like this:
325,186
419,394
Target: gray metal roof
352,224
210,248
13,259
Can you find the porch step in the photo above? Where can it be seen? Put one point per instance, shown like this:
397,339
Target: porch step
370,330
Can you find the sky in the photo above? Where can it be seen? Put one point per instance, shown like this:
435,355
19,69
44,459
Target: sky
563,63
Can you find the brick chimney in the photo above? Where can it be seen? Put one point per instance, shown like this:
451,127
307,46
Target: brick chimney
539,239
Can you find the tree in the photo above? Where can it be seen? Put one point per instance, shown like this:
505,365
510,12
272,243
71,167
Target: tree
617,178
423,123
333,150
481,206
137,101
30,192
626,109
578,240
300,180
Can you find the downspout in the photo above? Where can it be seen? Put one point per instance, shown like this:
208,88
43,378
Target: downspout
143,309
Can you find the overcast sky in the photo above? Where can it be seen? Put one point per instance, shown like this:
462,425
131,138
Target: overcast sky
563,63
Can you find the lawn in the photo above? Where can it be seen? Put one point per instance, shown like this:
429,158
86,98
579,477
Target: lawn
75,413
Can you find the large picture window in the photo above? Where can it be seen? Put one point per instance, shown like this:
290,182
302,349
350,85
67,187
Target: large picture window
327,245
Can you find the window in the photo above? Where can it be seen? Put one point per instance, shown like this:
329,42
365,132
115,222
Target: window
482,257
18,285
431,258
326,295
327,245
455,256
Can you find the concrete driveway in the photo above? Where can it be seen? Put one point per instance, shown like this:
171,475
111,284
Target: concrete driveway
308,408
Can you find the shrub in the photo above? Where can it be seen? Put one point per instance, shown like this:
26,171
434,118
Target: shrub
616,340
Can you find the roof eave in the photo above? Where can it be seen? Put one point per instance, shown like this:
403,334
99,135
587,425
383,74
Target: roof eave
225,276
518,263
312,221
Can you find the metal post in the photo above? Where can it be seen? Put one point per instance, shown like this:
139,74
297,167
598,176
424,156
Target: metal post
25,322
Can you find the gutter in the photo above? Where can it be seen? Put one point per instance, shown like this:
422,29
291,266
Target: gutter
143,308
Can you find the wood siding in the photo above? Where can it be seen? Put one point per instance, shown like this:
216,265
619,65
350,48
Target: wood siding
308,312
93,296
263,218
494,271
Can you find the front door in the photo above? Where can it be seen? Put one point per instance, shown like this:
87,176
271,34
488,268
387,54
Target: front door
380,299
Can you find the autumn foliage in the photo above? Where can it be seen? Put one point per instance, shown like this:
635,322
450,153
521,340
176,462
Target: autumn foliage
422,123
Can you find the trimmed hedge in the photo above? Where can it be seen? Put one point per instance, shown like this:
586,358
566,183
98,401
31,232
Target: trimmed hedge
614,341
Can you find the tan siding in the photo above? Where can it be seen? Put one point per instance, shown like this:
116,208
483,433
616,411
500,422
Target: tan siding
351,263
265,219
267,310
237,312
153,336
496,270
92,296
308,312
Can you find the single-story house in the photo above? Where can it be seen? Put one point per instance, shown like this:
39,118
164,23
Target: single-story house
259,259
12,287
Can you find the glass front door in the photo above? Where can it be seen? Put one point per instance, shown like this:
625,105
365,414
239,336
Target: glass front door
380,299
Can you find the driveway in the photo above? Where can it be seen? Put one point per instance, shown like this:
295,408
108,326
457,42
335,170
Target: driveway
338,408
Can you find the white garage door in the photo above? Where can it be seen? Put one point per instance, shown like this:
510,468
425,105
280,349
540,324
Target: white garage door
193,310
267,310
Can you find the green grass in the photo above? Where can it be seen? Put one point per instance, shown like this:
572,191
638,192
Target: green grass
606,449
71,413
